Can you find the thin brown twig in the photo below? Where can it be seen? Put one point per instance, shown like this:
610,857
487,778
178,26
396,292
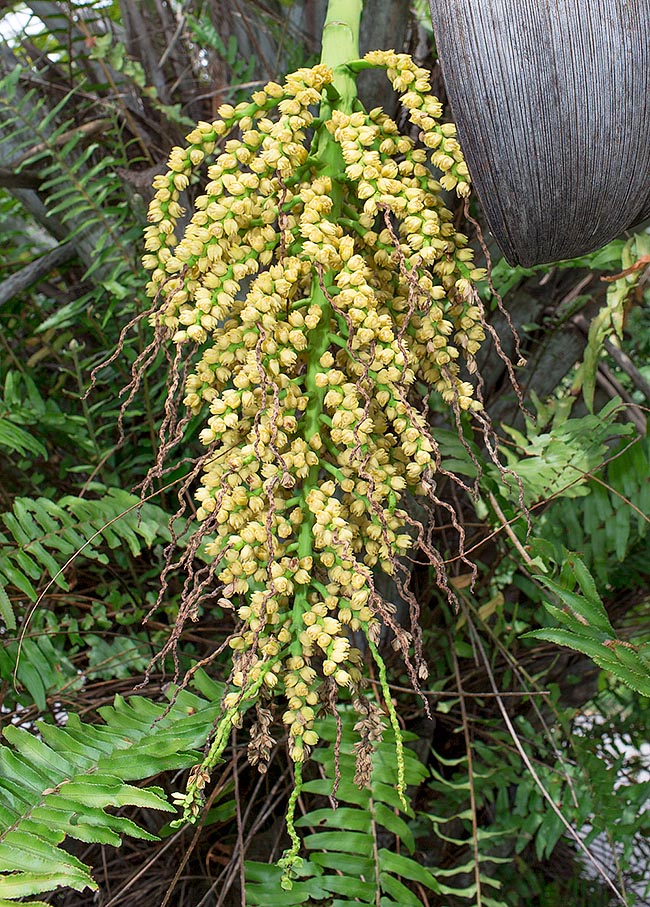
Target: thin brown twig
509,530
144,869
218,788
573,834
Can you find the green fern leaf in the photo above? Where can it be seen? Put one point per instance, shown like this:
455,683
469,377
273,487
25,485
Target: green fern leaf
346,842
406,868
6,610
398,893
345,858
605,525
348,864
17,439
75,185
45,534
343,817
61,785
264,888
587,628
394,823
5,903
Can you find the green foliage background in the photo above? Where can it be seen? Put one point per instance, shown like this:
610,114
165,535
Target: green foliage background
525,730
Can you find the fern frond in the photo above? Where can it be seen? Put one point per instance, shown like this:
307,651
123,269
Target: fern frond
42,535
22,404
76,185
59,783
37,665
15,438
346,860
558,459
612,518
464,880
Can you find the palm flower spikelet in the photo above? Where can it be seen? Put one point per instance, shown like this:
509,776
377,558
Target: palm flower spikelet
319,278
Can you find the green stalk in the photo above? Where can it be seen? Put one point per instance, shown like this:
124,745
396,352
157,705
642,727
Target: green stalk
394,721
320,340
290,860
341,46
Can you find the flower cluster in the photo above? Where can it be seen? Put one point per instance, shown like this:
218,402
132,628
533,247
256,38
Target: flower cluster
320,278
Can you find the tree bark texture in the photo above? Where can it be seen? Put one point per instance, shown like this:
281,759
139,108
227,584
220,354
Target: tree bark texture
35,271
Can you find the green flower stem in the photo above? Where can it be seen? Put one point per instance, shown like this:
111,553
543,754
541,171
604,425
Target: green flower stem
357,66
290,859
343,327
319,344
226,724
320,588
334,471
341,46
392,716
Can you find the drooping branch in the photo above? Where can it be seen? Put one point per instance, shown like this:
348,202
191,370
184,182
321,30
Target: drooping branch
36,270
